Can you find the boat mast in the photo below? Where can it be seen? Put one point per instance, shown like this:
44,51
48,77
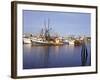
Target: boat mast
47,31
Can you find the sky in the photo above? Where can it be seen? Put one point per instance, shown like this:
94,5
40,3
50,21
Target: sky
63,23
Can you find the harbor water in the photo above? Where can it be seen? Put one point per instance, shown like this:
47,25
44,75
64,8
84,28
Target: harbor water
54,56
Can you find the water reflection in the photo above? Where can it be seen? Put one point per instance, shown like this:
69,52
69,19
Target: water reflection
55,56
46,55
84,54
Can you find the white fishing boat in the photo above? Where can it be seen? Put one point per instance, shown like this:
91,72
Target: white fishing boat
75,42
26,40
45,37
45,42
71,42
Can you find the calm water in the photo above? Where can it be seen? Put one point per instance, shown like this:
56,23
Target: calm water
54,56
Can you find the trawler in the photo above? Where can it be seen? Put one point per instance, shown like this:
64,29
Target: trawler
45,37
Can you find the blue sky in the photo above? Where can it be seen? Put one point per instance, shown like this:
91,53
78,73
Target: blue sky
65,23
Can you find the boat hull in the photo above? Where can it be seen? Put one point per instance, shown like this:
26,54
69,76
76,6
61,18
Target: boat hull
45,43
26,41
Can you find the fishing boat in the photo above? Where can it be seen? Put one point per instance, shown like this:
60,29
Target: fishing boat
75,42
45,37
71,42
26,40
37,42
